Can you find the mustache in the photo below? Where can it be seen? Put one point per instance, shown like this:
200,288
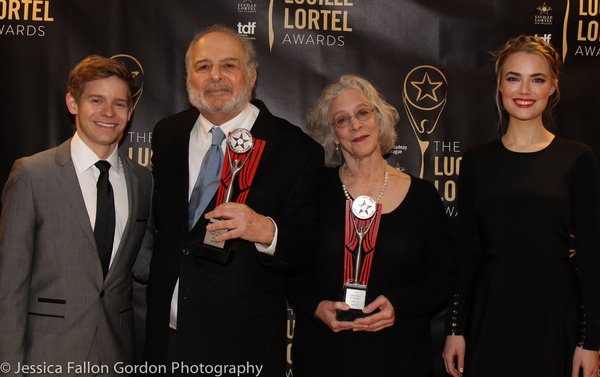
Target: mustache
218,86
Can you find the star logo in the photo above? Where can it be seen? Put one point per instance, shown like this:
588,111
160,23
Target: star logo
364,207
544,9
137,71
424,96
426,89
240,141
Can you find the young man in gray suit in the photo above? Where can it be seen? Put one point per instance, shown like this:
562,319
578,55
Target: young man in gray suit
73,221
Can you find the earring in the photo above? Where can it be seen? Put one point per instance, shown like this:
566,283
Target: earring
337,147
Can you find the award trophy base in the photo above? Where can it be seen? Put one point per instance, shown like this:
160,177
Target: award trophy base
219,252
355,295
349,315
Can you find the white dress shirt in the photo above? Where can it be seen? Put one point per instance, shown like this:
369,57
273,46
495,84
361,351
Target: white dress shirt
84,160
200,141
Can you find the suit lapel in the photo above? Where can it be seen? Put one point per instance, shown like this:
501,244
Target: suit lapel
67,178
132,183
181,164
264,128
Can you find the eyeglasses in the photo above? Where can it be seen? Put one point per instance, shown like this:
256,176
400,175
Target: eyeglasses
344,121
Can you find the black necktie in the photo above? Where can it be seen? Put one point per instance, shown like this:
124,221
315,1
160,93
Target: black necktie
104,230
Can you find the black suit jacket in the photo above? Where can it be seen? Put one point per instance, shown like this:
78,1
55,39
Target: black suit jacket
234,313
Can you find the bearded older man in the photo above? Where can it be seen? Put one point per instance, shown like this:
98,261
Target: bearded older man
202,308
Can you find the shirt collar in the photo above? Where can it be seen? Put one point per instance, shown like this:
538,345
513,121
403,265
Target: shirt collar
245,119
83,157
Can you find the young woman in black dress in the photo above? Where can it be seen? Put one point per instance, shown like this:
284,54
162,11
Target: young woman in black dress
522,308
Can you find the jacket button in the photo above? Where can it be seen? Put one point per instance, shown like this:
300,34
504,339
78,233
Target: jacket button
101,294
185,252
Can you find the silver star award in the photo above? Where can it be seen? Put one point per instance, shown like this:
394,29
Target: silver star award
364,207
240,141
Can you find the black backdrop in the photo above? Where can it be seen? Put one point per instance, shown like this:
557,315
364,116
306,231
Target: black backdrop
429,58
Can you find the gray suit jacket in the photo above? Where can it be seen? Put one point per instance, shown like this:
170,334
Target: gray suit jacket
53,298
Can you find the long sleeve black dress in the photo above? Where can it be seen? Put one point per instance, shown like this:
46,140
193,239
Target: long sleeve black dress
412,266
521,304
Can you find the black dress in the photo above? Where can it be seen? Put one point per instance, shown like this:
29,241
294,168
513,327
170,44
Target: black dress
412,266
521,304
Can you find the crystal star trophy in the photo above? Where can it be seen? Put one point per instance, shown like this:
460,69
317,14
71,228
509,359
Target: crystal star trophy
239,143
355,292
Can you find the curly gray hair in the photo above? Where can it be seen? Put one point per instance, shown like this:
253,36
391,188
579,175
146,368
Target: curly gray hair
319,127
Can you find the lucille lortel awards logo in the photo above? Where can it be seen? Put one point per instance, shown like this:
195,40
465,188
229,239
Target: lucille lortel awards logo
424,97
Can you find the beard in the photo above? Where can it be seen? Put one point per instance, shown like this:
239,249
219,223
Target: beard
198,99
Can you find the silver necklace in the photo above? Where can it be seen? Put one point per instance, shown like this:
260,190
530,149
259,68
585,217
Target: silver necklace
385,179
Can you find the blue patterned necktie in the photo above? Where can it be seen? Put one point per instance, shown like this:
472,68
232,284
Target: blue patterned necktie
208,178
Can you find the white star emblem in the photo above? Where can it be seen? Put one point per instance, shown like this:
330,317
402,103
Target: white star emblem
364,207
240,140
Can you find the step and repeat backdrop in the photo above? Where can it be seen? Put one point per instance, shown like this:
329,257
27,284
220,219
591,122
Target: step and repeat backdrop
429,58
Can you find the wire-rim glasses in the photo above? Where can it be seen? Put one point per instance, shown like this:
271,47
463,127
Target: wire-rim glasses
362,115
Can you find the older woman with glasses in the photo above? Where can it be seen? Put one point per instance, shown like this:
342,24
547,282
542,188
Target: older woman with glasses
384,257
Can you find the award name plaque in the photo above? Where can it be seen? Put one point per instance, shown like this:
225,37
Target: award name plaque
355,295
239,155
362,222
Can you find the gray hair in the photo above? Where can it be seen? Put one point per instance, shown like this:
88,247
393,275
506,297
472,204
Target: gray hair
319,127
250,53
